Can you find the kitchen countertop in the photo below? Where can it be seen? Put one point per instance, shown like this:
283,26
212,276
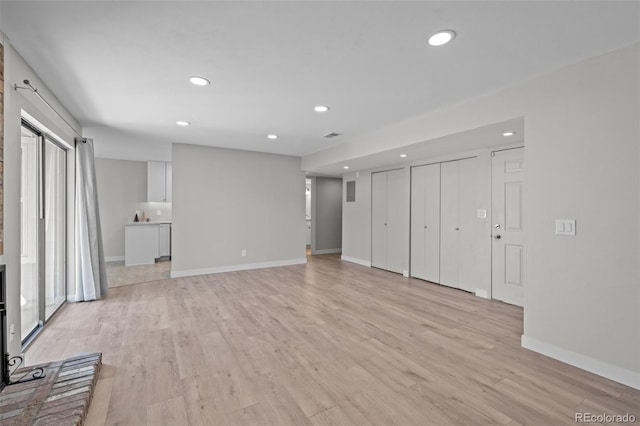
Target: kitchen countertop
151,222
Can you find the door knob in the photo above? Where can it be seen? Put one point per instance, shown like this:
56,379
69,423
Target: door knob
497,226
497,237
425,227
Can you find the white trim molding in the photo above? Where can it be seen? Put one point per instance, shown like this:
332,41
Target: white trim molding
114,259
232,268
601,368
355,260
327,251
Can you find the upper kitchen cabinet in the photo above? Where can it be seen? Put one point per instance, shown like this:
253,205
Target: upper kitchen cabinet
159,181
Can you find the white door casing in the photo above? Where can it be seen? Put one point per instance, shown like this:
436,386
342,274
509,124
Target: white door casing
508,227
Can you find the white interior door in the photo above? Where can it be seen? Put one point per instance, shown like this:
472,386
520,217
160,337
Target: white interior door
425,222
450,227
379,220
395,231
507,225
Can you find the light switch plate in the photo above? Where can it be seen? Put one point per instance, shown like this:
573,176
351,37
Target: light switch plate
565,227
482,213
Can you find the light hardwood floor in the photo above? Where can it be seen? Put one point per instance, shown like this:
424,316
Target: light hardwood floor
119,275
324,343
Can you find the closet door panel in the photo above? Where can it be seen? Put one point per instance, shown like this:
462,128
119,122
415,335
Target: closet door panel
425,222
432,220
449,230
395,221
418,221
379,220
468,204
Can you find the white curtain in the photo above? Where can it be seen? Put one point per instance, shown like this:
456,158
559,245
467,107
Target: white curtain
91,275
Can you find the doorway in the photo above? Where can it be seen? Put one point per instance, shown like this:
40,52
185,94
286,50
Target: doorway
508,224
43,220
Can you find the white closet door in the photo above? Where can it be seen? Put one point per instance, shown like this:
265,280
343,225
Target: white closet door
449,230
379,220
418,225
395,242
425,222
467,210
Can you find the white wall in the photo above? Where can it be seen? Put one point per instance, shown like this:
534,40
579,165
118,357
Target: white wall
118,144
227,200
327,217
17,70
582,293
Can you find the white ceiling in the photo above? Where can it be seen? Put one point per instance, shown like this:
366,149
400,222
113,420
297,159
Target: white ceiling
124,65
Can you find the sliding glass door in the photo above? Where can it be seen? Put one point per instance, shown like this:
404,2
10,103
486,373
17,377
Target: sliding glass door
43,225
55,219
30,218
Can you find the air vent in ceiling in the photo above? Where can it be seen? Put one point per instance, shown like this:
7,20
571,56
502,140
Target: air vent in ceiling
331,135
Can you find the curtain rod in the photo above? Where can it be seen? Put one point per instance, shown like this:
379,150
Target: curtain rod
34,90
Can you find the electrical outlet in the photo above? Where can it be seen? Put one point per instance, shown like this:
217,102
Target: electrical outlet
244,253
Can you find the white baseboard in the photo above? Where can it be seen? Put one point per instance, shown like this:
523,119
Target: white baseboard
327,251
114,259
480,292
71,298
232,268
355,260
601,368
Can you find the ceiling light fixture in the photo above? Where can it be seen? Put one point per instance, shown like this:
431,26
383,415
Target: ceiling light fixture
199,81
346,167
321,108
272,136
442,37
507,134
183,123
403,155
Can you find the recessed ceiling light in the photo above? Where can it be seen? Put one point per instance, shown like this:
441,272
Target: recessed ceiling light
199,81
346,167
272,136
182,123
506,134
403,155
321,108
442,37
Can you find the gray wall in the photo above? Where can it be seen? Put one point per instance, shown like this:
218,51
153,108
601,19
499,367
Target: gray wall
226,201
327,221
582,293
121,185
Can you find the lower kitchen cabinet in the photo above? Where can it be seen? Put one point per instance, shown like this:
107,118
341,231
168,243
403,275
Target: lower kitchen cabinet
145,242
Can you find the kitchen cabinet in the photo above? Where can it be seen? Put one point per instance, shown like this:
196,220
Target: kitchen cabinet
159,181
144,242
164,240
